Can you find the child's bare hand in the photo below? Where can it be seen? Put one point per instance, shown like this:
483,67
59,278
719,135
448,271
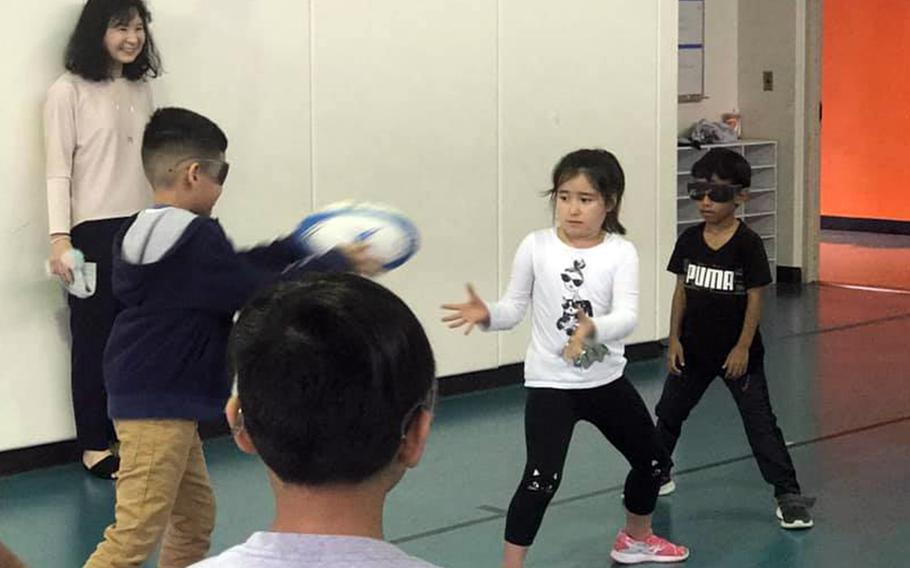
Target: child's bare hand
584,329
737,362
573,350
358,256
676,358
472,312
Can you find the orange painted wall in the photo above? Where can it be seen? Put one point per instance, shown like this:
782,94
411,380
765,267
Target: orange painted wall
865,136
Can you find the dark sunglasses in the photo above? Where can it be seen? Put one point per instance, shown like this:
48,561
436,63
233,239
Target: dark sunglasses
566,278
716,192
219,175
428,403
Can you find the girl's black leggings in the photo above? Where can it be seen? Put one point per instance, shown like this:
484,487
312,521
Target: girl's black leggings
617,410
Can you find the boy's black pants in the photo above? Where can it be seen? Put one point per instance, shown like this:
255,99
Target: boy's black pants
750,392
91,320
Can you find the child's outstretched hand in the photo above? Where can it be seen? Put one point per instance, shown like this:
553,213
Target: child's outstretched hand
358,255
472,312
737,362
676,357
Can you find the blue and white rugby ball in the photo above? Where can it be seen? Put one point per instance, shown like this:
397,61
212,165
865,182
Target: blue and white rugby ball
392,237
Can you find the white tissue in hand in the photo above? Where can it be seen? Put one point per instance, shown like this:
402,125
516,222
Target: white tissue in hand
84,274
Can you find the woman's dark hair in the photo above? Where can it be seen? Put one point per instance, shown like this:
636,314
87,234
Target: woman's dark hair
603,172
331,370
86,54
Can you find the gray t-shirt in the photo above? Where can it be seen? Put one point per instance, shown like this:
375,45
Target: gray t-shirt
286,550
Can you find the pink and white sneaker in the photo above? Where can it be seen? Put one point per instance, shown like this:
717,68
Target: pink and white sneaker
627,550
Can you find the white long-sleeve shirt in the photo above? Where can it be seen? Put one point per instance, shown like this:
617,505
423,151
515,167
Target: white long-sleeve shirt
93,140
555,279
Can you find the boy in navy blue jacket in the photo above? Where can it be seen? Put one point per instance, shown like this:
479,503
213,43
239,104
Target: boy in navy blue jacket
180,281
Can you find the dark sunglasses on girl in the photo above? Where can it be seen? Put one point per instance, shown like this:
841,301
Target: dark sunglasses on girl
716,192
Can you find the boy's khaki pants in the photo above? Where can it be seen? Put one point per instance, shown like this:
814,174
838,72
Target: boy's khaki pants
163,495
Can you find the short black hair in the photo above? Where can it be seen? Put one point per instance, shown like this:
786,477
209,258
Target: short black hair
603,172
726,164
86,55
173,134
331,370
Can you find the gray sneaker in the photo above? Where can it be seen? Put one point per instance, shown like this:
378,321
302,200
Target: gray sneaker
793,511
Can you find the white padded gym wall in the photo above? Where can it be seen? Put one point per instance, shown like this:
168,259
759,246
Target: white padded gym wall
583,73
405,112
34,380
453,111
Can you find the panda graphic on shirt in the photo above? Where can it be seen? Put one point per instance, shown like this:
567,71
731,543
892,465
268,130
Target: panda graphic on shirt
572,279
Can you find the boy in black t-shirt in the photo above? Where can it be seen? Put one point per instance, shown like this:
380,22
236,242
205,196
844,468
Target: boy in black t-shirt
721,269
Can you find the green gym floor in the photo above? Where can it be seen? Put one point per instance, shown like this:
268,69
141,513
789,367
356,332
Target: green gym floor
837,363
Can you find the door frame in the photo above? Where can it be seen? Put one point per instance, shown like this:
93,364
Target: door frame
809,81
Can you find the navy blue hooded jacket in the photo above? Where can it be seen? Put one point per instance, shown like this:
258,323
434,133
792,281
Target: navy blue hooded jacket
180,282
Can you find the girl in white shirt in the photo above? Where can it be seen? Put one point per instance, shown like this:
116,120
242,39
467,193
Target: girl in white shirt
581,281
94,119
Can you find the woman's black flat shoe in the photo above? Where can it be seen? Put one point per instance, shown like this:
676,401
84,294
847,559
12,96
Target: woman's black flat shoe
106,468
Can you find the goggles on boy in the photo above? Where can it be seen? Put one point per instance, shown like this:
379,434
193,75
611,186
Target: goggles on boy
716,192
428,403
219,175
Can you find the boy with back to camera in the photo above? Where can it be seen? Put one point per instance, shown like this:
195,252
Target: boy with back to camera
336,388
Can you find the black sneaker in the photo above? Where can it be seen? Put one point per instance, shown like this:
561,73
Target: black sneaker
793,511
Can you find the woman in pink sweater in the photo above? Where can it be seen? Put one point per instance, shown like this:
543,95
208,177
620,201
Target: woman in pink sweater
94,119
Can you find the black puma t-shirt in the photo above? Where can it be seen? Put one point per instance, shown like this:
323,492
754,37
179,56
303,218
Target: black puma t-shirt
716,282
